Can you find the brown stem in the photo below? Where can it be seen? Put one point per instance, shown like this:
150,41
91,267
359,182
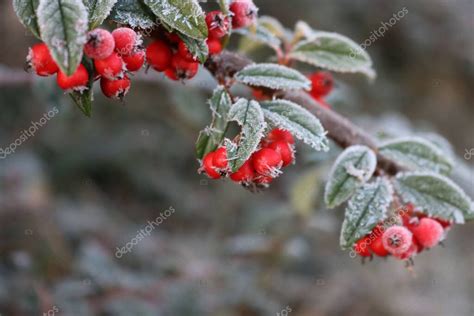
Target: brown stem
340,130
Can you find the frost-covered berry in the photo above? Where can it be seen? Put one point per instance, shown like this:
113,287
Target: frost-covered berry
217,24
100,44
215,46
322,83
171,74
159,55
184,52
135,61
361,247
244,13
409,253
428,232
39,59
126,40
280,134
208,166
115,89
262,181
397,239
220,159
285,150
183,68
77,81
245,174
111,67
267,162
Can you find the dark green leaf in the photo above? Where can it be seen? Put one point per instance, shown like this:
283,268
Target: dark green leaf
133,13
26,12
99,10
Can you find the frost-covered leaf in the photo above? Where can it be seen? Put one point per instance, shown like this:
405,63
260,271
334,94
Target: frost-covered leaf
26,12
249,115
99,10
213,135
365,210
273,26
273,76
134,13
435,194
198,48
417,154
352,168
334,52
258,35
302,30
185,16
299,121
63,27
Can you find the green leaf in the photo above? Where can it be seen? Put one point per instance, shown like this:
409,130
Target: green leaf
436,195
185,16
198,48
26,12
63,27
249,116
258,35
417,154
273,26
83,99
273,76
210,138
367,208
352,168
133,13
299,121
334,52
99,10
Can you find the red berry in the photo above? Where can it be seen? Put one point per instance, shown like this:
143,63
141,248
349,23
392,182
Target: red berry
158,55
263,180
126,40
173,38
280,134
397,239
171,74
267,162
428,232
77,81
115,89
220,159
183,68
208,166
244,13
215,46
111,67
409,253
184,52
135,61
322,83
217,24
361,247
245,173
376,246
100,44
40,60
285,150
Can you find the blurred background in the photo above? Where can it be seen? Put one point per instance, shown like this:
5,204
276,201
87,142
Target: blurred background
79,188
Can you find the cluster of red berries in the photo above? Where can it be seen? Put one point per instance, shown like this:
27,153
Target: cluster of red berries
117,54
322,84
416,233
276,152
114,55
170,55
